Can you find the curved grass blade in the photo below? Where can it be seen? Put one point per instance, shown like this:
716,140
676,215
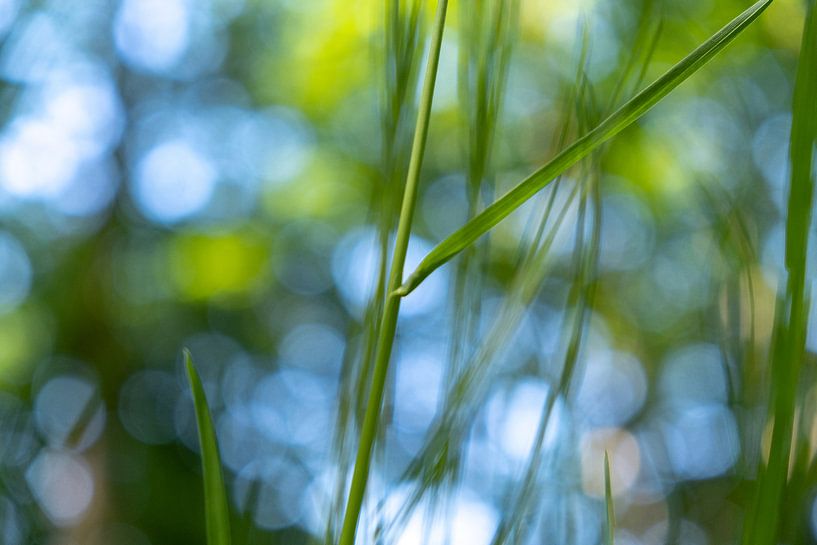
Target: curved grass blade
610,528
618,121
215,498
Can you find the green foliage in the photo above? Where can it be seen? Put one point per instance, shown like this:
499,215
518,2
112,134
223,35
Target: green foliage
618,121
217,514
391,307
770,509
246,266
436,467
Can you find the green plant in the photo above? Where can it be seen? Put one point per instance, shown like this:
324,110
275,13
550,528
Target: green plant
482,84
765,518
217,514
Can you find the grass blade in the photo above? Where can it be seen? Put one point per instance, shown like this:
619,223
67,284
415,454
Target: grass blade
391,307
404,35
618,121
763,525
610,528
215,498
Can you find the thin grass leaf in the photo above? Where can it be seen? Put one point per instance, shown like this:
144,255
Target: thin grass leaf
215,498
763,525
610,527
391,306
618,121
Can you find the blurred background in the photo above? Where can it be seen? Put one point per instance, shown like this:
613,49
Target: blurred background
207,173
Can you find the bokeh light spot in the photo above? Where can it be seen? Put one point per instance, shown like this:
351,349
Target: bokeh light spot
205,266
152,35
63,485
173,181
68,412
15,273
625,460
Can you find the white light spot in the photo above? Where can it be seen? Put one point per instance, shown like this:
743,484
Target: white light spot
613,389
702,442
313,346
37,45
59,409
625,460
37,159
770,152
87,107
354,269
513,419
152,34
693,375
419,385
470,521
627,237
274,146
173,181
8,12
62,484
431,294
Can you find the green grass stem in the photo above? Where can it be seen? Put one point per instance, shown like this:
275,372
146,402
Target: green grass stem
391,307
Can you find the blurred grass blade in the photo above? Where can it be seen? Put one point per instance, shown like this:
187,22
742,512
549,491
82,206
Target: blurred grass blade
618,121
773,492
215,498
608,502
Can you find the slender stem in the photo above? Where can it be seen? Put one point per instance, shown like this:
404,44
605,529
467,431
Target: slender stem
388,325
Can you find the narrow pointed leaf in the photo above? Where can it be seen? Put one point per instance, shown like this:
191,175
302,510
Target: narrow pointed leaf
618,121
610,529
774,511
215,498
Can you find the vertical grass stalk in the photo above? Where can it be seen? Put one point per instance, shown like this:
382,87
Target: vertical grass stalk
791,319
391,307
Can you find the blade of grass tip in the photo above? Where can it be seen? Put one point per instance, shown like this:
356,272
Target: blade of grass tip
215,498
391,308
610,528
618,121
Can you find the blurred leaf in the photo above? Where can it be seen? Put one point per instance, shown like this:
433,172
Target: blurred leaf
608,502
215,498
769,510
618,121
